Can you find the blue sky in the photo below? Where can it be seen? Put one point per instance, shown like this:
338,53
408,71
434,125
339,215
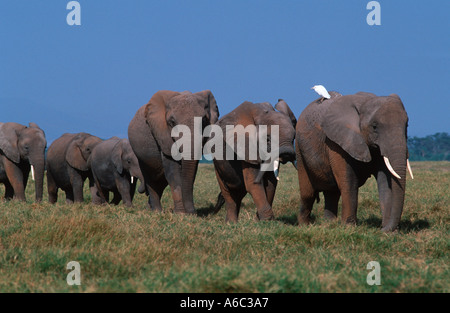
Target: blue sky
94,77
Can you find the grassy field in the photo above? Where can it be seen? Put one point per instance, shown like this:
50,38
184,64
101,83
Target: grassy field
135,250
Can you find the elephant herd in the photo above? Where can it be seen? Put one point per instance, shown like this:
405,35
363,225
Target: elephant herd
336,144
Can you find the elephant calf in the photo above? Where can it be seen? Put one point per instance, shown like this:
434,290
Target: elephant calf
114,167
67,166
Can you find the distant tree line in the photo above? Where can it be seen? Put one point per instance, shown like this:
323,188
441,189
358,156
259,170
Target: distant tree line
430,148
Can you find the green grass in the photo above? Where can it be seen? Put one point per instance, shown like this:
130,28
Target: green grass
134,250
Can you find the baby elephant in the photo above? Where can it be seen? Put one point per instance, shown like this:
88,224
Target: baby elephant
115,168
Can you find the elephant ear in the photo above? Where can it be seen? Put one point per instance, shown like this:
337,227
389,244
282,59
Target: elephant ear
74,157
283,107
116,157
155,115
210,105
9,140
33,125
341,125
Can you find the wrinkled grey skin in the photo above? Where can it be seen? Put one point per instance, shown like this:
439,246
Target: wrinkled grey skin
21,147
341,142
236,177
150,137
113,164
67,167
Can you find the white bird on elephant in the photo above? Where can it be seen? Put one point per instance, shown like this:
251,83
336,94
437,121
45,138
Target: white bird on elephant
322,92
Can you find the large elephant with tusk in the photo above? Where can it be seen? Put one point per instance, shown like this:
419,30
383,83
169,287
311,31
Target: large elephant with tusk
239,173
341,142
22,149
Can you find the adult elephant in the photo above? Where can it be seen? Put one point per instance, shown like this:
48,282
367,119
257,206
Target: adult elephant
114,167
150,136
242,174
340,142
67,166
21,148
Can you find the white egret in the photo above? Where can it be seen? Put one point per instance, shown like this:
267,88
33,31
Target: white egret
322,92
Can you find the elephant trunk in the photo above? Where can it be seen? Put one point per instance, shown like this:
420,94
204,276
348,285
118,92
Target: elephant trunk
38,168
283,155
287,154
397,181
188,173
138,174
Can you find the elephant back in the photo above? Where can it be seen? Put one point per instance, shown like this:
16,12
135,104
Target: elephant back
313,114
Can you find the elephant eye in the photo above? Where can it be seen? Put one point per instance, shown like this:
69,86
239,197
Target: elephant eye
171,121
375,127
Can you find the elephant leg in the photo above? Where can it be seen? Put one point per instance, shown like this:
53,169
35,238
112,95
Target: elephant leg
258,192
232,199
172,172
77,186
307,196
349,205
270,187
104,195
15,178
123,187
95,191
9,191
117,198
69,196
331,204
52,188
155,191
347,183
232,205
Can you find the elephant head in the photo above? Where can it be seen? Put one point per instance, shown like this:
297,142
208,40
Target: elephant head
124,159
374,129
80,149
263,116
168,109
20,143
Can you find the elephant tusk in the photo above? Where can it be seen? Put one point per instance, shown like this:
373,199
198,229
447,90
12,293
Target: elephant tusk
32,172
132,179
388,164
276,168
409,169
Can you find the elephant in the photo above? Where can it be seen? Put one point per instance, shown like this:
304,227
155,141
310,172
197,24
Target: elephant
22,148
341,142
238,176
67,167
114,167
150,136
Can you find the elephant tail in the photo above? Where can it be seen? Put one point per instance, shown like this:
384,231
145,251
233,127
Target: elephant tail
219,203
